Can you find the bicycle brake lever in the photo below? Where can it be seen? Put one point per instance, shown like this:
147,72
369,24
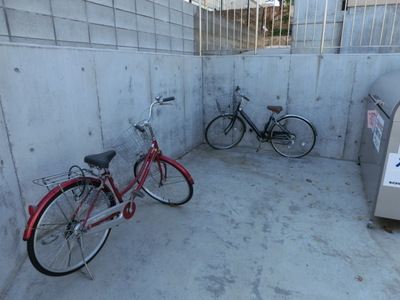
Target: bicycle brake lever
139,127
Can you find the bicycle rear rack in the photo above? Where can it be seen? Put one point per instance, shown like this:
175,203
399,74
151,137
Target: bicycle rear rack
74,172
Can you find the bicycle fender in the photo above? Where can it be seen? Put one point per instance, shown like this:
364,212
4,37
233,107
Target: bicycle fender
302,118
35,210
179,167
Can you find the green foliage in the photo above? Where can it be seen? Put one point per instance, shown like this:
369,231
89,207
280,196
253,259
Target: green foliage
280,32
285,18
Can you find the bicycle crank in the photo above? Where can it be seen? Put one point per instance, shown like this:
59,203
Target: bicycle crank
129,210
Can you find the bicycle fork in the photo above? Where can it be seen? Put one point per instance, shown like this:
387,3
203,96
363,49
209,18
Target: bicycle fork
230,125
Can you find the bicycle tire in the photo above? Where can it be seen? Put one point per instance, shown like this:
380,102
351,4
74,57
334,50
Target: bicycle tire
293,136
166,183
216,136
55,248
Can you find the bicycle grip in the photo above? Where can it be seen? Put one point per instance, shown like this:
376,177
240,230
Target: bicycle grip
166,99
138,127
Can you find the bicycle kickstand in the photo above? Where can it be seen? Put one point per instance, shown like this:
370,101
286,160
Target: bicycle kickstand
88,274
259,146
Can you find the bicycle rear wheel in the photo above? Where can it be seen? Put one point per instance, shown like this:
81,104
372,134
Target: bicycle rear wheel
57,246
225,131
293,136
166,183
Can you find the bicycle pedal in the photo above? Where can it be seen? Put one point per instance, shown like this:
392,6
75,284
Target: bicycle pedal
138,193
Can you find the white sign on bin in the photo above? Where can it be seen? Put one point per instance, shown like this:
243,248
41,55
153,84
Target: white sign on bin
392,174
378,131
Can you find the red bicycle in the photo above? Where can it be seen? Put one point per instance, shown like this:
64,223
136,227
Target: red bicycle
70,225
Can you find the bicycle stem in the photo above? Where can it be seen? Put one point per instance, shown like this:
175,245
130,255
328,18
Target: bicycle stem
157,101
146,122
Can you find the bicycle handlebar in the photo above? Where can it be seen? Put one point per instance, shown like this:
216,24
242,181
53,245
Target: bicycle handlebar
166,99
243,96
139,127
158,100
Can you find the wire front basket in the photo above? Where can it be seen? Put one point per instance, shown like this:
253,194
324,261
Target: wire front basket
133,144
228,104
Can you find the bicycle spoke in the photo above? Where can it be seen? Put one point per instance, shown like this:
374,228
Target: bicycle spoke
225,131
166,183
54,262
292,136
58,246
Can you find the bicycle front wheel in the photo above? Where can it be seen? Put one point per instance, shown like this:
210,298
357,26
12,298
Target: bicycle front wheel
57,245
225,131
165,182
293,136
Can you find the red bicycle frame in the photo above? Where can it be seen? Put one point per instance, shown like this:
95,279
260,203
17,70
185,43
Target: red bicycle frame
113,214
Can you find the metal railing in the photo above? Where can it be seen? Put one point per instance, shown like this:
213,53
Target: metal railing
298,26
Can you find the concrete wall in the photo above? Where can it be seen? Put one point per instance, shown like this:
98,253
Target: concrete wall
360,29
144,25
379,26
307,29
329,90
59,104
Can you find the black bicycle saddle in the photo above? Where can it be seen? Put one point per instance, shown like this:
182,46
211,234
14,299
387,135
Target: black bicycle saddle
101,160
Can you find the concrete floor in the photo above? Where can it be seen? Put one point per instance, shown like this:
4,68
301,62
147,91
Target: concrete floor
259,226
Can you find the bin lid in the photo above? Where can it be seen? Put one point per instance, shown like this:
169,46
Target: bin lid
385,91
